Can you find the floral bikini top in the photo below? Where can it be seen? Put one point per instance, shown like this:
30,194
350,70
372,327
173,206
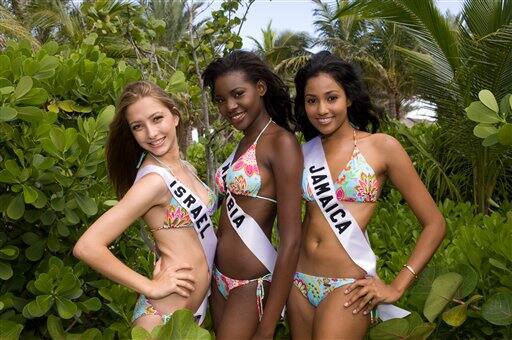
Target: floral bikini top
176,216
357,182
243,176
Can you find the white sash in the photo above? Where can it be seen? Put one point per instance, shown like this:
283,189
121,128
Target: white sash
246,227
198,213
342,223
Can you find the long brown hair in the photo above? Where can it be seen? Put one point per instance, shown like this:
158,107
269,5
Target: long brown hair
122,150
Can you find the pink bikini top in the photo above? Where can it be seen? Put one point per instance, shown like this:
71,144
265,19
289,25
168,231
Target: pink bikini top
243,176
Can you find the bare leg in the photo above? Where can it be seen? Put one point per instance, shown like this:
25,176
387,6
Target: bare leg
300,315
334,321
240,317
217,304
148,322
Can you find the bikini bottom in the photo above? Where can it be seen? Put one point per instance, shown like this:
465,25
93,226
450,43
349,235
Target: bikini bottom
143,307
226,284
316,288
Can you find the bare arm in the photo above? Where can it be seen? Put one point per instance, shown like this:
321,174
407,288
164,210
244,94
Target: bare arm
287,167
402,174
92,247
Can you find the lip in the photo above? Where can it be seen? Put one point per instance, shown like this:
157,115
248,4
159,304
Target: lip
157,143
237,117
325,120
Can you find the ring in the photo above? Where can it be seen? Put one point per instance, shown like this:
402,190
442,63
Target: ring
370,302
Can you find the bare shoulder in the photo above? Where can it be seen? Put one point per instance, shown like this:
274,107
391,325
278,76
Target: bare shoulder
385,143
282,139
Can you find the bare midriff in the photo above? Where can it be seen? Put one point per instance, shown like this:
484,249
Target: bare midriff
321,253
233,258
177,246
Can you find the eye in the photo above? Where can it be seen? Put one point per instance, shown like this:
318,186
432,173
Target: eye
238,94
310,100
158,118
218,100
136,127
332,98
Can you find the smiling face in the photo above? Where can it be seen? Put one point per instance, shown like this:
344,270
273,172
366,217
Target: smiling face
326,103
239,100
153,125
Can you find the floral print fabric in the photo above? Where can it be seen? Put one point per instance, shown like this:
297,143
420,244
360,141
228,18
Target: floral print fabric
316,288
355,183
144,307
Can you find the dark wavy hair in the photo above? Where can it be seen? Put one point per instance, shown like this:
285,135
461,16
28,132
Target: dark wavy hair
361,112
277,97
122,150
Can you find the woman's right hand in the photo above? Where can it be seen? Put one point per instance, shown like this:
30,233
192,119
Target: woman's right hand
172,279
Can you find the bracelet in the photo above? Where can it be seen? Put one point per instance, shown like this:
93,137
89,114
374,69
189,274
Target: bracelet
411,270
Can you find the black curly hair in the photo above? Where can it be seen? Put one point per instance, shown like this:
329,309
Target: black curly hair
361,112
277,97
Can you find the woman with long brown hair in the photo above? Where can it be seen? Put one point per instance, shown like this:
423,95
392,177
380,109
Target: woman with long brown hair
169,197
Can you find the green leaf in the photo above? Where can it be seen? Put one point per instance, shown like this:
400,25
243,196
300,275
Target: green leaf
177,83
34,97
86,204
470,280
58,203
53,107
66,308
139,333
10,89
7,113
442,292
91,38
67,283
30,114
55,329
13,167
66,105
490,140
422,332
10,330
505,107
484,130
5,271
71,216
29,194
105,117
93,304
498,309
480,113
23,87
16,207
9,252
390,329
58,138
498,264
44,283
7,177
35,251
182,325
456,315
38,307
505,134
488,99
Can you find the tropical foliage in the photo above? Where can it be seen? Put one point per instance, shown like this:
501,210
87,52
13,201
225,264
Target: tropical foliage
63,63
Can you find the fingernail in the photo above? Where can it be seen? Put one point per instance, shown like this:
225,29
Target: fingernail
346,291
354,311
365,312
345,304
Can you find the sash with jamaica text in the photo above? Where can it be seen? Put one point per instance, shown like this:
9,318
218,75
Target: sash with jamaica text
341,221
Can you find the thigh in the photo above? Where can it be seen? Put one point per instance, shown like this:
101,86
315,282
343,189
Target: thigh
300,315
148,322
240,314
217,303
334,321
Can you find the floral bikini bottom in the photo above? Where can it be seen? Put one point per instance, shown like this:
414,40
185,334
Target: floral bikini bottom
143,307
316,288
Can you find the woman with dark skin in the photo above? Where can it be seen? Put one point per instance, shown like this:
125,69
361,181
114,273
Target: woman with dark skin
332,103
256,102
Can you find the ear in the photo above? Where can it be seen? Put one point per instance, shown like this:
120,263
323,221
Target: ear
261,88
349,102
176,115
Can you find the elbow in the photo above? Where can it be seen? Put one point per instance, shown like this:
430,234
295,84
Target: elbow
82,249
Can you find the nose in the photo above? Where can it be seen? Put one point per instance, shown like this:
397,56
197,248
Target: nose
231,104
152,131
322,107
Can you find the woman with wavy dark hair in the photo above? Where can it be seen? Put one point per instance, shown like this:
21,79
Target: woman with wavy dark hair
260,180
345,168
166,192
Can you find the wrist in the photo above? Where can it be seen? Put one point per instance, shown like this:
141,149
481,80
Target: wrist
147,289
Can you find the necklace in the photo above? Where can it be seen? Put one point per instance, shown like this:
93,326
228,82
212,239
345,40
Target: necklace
165,165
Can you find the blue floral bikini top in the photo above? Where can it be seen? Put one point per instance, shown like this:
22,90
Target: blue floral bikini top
356,182
243,176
